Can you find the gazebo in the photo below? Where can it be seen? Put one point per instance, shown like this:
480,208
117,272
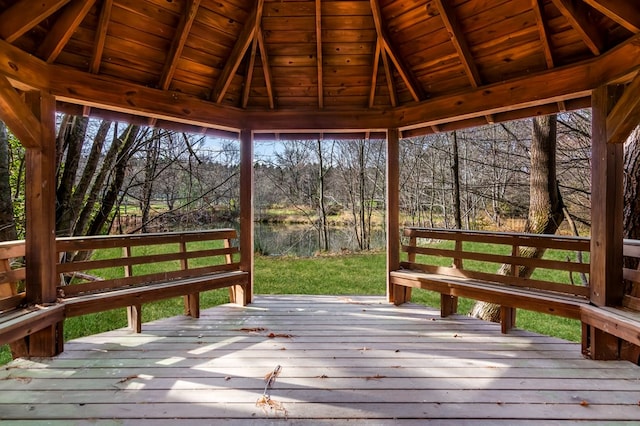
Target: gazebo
285,69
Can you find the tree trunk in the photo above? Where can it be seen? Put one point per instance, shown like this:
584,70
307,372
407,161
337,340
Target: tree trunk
8,230
631,212
322,210
455,171
111,196
73,141
90,170
151,165
545,203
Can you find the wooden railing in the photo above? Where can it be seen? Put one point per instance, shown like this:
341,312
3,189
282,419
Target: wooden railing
140,268
493,267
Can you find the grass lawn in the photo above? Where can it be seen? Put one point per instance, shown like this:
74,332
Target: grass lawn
352,274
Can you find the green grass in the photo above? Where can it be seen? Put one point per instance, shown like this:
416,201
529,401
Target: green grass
352,274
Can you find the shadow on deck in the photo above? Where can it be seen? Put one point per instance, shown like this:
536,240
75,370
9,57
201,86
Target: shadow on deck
342,359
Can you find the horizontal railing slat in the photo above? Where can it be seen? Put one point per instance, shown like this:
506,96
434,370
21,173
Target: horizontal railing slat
105,285
505,259
502,279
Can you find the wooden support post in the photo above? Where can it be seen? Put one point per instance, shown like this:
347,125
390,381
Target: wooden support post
395,294
607,165
448,305
238,293
40,245
191,301
134,318
507,318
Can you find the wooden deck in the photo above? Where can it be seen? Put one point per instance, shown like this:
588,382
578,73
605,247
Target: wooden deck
343,360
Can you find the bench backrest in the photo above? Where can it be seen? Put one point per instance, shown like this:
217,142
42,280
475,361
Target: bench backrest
631,274
102,263
498,257
12,274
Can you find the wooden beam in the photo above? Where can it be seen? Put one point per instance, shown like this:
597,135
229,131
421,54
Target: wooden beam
374,77
64,28
624,12
24,15
266,69
18,116
319,53
407,76
558,84
248,78
245,296
459,41
582,23
40,202
101,36
625,115
179,39
541,23
394,295
237,53
389,76
607,165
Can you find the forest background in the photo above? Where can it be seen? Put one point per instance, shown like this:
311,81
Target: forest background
120,178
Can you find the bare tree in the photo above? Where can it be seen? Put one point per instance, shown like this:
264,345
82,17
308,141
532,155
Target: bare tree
545,206
7,222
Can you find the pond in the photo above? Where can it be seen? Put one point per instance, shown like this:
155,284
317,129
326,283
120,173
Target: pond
301,240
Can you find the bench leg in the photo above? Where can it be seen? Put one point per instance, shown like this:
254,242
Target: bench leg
192,305
448,305
238,294
45,343
134,317
401,294
507,319
602,345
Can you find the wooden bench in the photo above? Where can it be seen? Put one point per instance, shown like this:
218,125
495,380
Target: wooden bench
450,262
190,263
622,322
19,319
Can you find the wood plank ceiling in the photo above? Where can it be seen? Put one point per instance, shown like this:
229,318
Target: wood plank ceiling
320,63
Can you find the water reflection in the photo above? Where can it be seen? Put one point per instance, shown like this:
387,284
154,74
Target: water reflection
301,240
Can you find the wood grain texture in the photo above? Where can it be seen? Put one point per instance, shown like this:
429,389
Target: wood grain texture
346,359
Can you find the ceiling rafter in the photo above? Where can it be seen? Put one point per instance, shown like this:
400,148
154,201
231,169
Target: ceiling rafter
264,58
319,53
237,53
177,45
625,115
405,73
388,76
625,12
98,44
248,78
24,15
64,28
17,115
459,41
101,36
580,21
543,31
374,77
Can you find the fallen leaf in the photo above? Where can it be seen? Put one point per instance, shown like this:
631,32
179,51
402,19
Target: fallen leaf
376,377
322,376
126,379
584,403
282,335
226,379
253,329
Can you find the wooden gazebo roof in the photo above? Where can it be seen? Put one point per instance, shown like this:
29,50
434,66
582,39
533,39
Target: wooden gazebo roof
319,65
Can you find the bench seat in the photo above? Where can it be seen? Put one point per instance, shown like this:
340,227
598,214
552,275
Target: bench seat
21,322
143,293
509,296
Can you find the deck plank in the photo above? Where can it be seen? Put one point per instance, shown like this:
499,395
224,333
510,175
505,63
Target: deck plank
343,359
